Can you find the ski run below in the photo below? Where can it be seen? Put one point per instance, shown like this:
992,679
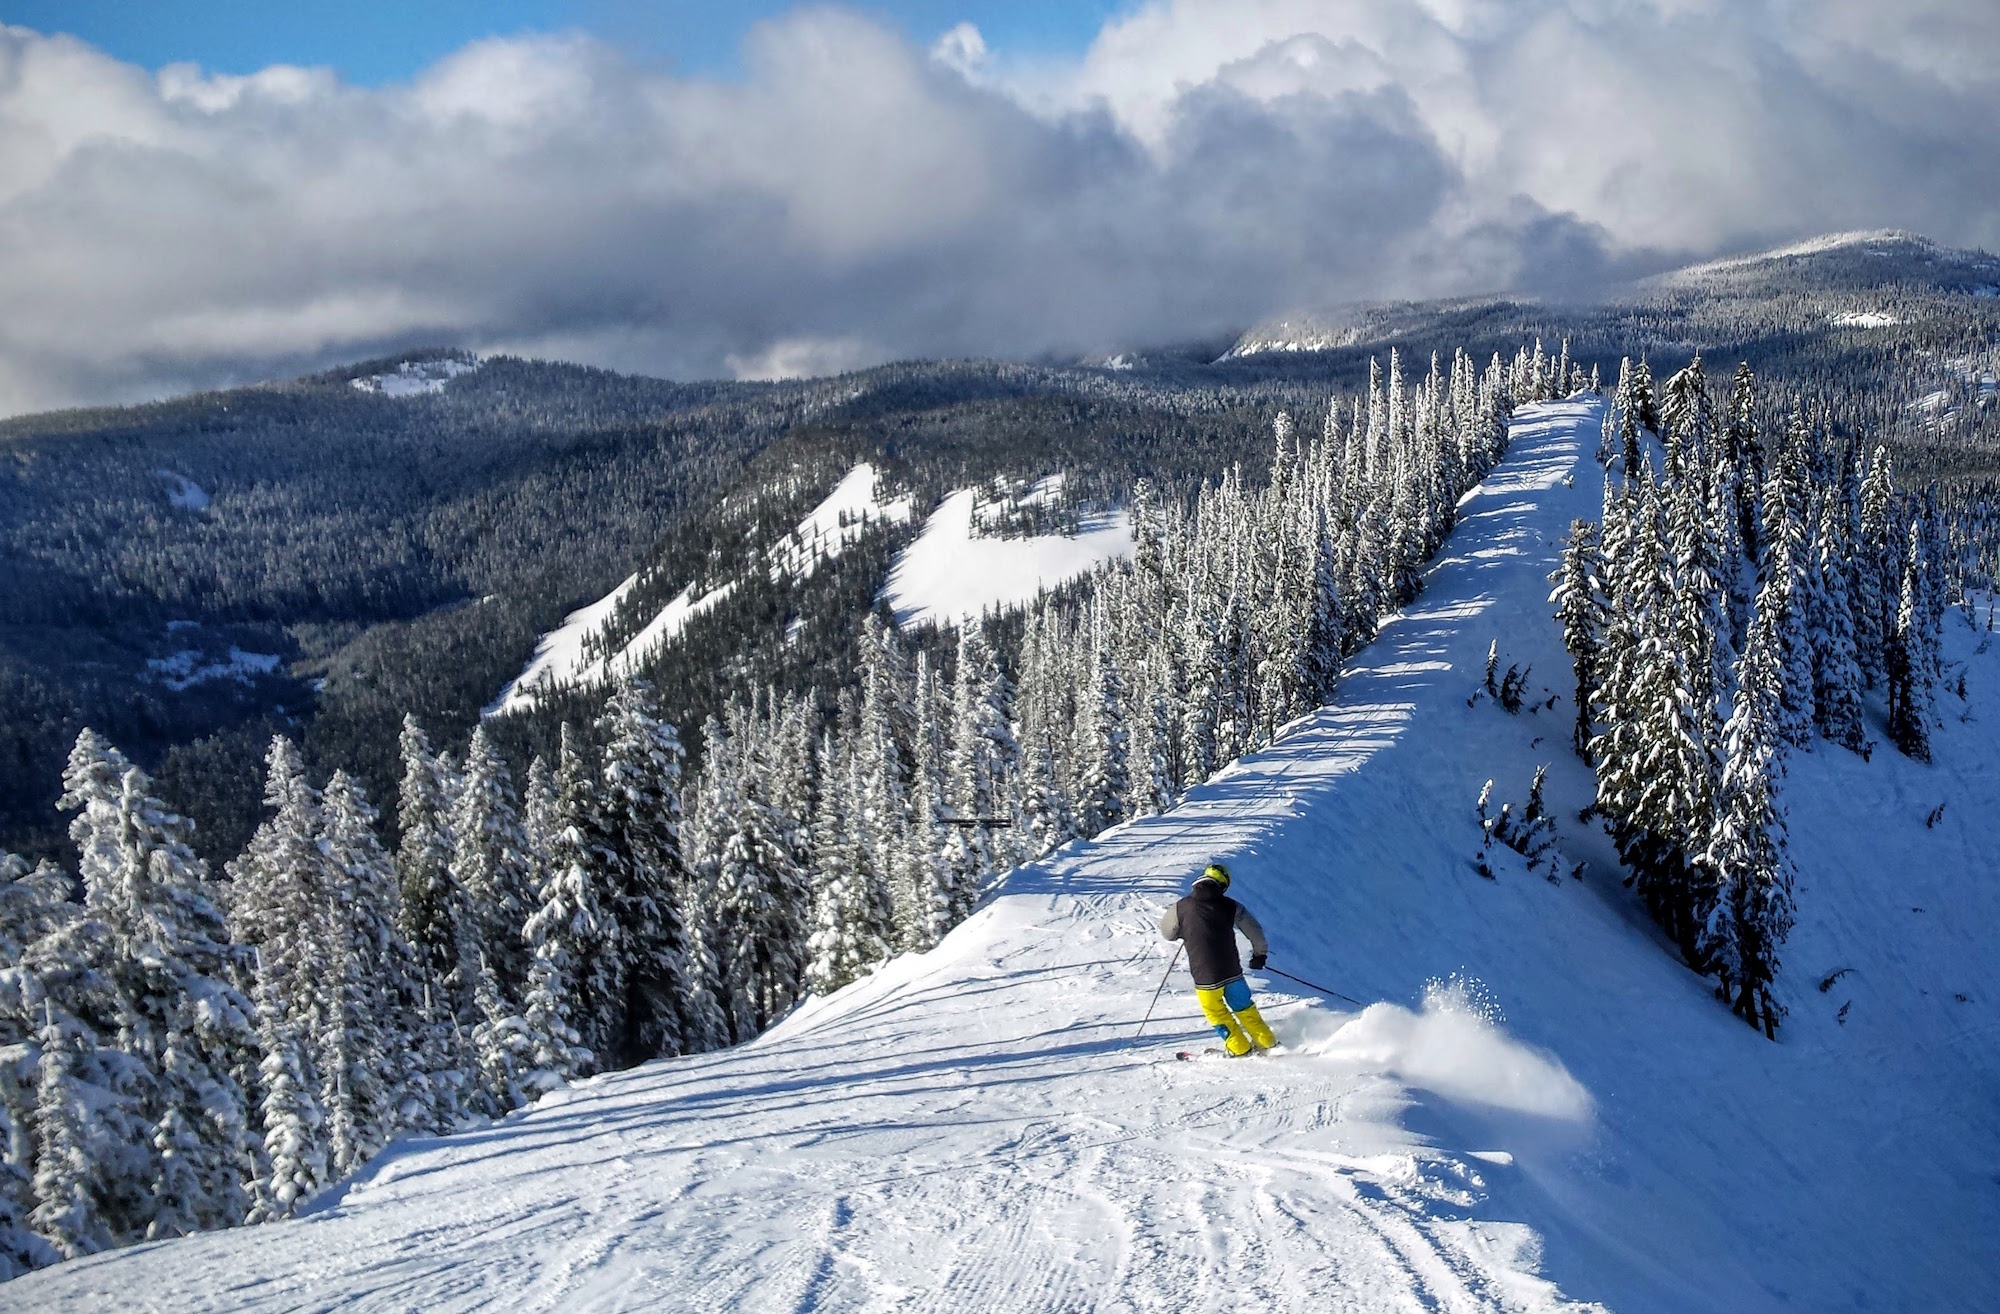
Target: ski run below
1538,1108
951,573
561,659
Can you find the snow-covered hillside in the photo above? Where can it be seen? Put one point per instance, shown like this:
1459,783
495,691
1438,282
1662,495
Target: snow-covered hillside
415,378
952,571
571,654
1582,1125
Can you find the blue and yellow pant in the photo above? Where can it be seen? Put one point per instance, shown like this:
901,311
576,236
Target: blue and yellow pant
1230,1010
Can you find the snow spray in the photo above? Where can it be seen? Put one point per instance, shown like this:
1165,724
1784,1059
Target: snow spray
1453,1045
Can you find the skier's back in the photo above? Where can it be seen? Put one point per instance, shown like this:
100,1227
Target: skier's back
1206,921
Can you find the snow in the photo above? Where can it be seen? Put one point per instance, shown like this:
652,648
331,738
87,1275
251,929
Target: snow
1866,319
189,667
418,378
949,573
837,521
673,618
184,493
977,1127
1043,492
559,659
1811,246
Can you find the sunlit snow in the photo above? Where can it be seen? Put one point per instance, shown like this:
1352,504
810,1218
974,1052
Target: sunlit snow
852,506
183,492
560,659
415,378
950,573
189,667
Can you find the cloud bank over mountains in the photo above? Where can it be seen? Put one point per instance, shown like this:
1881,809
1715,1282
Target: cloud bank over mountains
854,198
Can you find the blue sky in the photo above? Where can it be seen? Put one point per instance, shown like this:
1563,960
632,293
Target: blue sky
377,42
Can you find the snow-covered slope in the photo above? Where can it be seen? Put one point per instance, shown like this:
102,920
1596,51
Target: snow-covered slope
562,659
416,378
950,572
855,503
976,1128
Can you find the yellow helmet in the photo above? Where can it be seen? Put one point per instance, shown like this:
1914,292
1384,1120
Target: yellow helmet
1216,872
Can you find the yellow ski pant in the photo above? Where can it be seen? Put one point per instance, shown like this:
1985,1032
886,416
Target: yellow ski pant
1230,1010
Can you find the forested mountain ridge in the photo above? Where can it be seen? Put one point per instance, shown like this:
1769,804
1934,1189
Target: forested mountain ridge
321,557
1889,327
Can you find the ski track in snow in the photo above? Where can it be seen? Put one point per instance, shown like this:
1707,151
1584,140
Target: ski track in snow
975,1128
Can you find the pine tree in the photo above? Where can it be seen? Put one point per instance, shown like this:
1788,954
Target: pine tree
539,822
1743,448
1751,909
1580,610
1787,550
365,1029
851,915
577,922
670,1006
1104,738
435,919
182,1033
294,1145
489,864
1837,681
1910,667
67,1175
1879,571
504,1051
554,1053
760,894
931,863
576,991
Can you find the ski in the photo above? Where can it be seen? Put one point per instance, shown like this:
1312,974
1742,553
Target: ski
1214,1052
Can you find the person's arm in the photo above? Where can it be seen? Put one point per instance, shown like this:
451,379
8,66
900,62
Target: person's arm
1170,922
1260,948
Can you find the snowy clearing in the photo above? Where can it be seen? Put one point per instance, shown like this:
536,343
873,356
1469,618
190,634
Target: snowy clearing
184,493
559,657
950,574
851,507
189,667
975,1128
673,618
419,378
1866,319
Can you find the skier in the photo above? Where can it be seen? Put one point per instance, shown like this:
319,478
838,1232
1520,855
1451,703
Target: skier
1207,921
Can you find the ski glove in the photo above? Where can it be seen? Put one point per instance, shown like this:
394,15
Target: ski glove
1257,961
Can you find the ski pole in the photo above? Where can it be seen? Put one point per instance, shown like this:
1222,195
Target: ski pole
1171,963
1310,986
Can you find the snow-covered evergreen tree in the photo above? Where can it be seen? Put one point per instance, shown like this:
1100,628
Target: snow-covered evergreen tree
1103,738
366,1024
1750,910
164,1002
294,1128
1910,662
577,982
435,918
670,1004
489,864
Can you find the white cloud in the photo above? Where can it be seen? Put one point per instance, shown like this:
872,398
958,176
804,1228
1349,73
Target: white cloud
854,198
